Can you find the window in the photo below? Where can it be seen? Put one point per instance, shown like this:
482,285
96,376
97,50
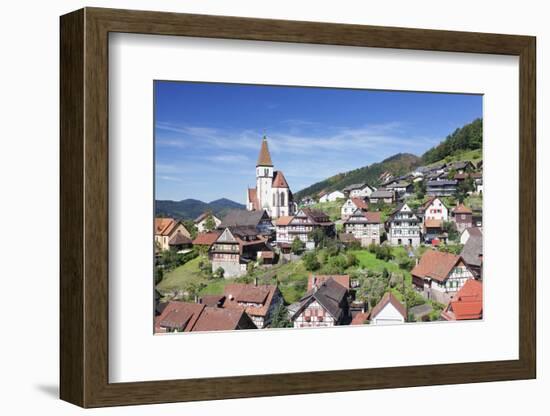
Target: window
282,199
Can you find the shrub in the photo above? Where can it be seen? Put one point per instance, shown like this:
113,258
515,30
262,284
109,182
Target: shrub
297,246
310,262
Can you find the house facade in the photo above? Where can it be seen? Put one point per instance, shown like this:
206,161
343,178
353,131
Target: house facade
258,301
403,227
440,275
325,305
272,192
364,226
462,216
202,220
435,209
167,229
358,190
301,225
382,196
332,196
234,249
441,187
389,311
351,205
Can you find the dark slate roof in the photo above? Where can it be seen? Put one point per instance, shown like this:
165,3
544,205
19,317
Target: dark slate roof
462,164
354,186
330,295
242,218
472,250
179,239
382,193
442,183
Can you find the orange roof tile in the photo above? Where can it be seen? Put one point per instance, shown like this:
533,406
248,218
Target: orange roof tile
206,239
163,226
430,223
279,180
283,220
360,318
319,279
360,203
264,159
435,265
467,303
462,209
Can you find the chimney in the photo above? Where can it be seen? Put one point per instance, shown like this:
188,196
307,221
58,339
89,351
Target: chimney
256,281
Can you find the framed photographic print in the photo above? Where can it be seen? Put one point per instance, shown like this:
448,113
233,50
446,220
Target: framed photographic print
255,207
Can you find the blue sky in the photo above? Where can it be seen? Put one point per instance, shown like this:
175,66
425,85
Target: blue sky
207,136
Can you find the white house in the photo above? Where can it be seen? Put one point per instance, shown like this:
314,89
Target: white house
351,205
359,190
364,226
404,227
201,220
389,311
440,275
435,209
332,196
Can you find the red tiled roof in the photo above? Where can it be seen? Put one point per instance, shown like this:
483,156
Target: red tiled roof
430,223
178,315
283,220
319,279
360,318
360,203
253,198
163,226
264,159
279,180
435,265
461,209
206,239
388,298
249,293
467,303
373,216
219,319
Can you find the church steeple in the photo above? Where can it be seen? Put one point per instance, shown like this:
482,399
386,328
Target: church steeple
264,159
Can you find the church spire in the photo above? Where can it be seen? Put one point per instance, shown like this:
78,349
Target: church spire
264,159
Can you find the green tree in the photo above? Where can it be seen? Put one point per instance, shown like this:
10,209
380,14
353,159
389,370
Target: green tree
420,190
319,237
310,261
219,273
280,318
191,227
297,246
450,228
209,224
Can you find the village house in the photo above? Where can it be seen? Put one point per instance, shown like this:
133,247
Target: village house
403,227
351,205
259,220
470,232
461,166
364,226
389,311
169,229
272,192
202,220
194,317
467,303
324,305
441,187
258,301
180,243
440,275
301,225
478,182
433,232
358,190
462,217
316,280
434,209
205,240
472,252
235,248
382,196
332,196
401,188
307,202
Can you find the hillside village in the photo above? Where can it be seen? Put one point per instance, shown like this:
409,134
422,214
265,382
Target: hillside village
396,249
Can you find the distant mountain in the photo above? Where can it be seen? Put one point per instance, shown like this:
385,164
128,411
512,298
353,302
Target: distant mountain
396,165
189,209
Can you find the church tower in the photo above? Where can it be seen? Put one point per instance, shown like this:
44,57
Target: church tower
264,177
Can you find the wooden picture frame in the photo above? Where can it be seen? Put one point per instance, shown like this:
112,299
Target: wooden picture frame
84,207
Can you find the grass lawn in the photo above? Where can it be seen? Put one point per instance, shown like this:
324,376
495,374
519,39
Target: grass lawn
182,275
333,209
369,261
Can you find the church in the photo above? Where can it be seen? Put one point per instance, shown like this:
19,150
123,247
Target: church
272,192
